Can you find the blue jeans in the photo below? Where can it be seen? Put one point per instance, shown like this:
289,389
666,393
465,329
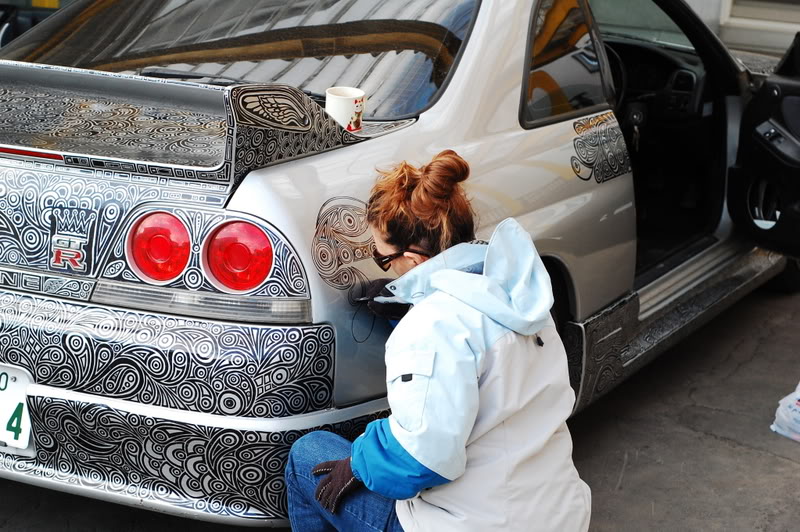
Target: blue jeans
360,510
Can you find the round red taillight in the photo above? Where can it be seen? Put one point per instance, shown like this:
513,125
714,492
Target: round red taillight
239,255
160,246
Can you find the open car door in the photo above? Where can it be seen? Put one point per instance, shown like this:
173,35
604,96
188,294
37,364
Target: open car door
764,187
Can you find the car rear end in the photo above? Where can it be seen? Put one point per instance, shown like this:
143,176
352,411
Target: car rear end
155,348
158,349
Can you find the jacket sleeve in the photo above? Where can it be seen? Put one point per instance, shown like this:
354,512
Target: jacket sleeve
433,394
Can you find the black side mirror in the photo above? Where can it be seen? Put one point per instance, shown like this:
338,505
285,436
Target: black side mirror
790,64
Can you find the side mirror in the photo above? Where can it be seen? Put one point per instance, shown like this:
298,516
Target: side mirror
790,64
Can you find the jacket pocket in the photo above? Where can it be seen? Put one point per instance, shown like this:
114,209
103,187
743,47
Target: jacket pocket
408,375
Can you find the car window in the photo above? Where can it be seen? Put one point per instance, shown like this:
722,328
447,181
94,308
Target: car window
399,53
638,19
564,73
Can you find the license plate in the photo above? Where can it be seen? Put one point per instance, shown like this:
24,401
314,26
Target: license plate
15,422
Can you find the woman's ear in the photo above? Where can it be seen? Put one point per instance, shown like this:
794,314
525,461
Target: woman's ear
416,258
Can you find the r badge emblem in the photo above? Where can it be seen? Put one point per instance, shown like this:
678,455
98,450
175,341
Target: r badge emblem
72,231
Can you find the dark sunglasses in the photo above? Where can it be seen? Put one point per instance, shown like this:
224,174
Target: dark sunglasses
385,261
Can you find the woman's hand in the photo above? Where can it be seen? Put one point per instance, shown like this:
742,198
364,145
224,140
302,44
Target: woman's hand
390,311
339,482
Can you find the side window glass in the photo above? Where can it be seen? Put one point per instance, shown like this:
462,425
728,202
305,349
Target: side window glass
564,72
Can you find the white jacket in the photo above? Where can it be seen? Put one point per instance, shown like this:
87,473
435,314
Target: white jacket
477,439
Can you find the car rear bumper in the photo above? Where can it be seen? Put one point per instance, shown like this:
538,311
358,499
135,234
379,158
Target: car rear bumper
202,466
191,417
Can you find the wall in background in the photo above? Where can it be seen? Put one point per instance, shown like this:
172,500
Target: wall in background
709,11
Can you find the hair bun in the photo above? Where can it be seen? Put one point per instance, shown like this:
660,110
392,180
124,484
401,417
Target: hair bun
424,206
440,177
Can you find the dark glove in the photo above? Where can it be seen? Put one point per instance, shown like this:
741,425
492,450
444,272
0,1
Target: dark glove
390,311
339,482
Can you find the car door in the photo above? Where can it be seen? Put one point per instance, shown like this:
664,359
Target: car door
764,187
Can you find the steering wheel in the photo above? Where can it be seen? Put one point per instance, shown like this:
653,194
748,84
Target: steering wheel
619,75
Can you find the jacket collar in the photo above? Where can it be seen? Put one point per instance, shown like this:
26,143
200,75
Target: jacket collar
415,285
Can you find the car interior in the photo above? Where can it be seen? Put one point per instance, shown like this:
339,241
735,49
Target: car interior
673,129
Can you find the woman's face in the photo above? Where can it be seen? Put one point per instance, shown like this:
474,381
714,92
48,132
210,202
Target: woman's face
401,265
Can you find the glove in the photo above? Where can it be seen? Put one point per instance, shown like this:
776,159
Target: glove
336,485
390,311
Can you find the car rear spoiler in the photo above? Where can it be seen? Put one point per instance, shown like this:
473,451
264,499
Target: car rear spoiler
161,128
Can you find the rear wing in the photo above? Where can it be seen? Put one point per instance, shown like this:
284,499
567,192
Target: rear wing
162,128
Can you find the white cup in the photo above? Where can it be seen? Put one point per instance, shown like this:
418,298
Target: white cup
346,106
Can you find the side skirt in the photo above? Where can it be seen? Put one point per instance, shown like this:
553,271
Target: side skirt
614,344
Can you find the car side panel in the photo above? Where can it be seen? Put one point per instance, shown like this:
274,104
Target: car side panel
553,179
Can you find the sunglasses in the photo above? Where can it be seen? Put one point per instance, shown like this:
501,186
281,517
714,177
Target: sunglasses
385,261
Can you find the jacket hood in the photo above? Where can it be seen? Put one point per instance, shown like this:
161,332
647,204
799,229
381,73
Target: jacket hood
505,280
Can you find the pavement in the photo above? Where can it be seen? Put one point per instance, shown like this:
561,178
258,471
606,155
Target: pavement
686,445
683,445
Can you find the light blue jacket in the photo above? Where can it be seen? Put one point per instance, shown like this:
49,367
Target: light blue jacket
465,299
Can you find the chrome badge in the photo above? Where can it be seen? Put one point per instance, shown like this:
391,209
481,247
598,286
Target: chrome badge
72,230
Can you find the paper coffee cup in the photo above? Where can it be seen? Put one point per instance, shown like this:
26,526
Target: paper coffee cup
346,106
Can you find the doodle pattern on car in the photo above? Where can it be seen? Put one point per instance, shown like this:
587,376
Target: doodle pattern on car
28,201
197,365
287,278
600,149
275,123
342,239
265,124
69,121
212,470
28,281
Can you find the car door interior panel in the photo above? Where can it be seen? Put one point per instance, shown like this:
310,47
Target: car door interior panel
765,184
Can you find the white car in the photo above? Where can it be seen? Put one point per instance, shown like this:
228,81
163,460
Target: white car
183,244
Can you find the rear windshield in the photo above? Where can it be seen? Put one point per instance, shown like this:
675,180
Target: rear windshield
399,52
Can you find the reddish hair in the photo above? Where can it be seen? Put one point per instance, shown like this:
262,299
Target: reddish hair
424,206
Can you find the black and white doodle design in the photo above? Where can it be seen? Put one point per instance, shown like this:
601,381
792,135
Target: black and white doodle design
92,214
277,122
28,281
216,471
287,278
341,240
38,202
261,125
67,121
600,149
600,344
196,365
280,107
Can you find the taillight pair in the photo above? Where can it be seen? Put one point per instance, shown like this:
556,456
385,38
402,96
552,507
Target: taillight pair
238,255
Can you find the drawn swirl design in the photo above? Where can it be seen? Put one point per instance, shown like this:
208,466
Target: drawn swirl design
341,240
281,108
66,121
277,122
196,365
216,471
37,193
600,149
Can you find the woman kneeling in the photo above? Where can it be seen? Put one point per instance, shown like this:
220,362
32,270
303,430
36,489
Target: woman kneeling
476,376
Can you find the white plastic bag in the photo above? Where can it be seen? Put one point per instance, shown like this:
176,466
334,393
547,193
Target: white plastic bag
787,416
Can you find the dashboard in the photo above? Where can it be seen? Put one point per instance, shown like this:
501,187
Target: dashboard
671,80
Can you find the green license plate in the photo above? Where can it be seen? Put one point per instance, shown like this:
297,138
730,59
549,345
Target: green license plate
15,423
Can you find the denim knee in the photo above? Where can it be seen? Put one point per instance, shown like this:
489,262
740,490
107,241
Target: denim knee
313,448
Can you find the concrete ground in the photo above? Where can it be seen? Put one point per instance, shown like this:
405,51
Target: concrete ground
684,445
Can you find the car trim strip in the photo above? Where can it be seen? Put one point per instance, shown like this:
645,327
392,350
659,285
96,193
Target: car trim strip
298,422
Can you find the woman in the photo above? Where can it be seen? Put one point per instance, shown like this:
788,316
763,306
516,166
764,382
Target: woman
476,376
